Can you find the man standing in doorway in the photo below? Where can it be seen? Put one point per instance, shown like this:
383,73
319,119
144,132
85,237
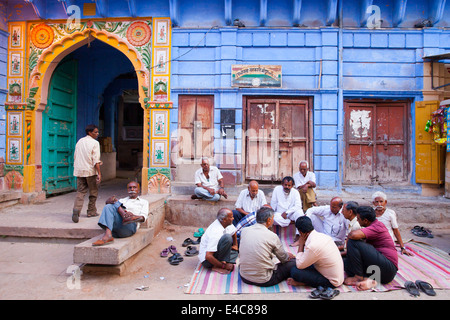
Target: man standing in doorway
305,182
86,167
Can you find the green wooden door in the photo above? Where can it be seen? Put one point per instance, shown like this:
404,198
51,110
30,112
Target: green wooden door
59,130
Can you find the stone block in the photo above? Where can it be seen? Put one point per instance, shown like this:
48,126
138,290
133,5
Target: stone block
114,253
181,210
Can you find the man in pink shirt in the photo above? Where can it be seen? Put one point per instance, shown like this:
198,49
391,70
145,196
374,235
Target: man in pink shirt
318,261
377,253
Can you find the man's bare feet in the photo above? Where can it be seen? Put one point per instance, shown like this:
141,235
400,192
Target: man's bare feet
194,197
352,281
296,242
292,282
366,284
221,270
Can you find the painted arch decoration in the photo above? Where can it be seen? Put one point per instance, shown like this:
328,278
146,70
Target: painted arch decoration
48,40
39,46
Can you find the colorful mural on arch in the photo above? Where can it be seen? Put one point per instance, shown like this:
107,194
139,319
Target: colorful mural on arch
136,34
36,49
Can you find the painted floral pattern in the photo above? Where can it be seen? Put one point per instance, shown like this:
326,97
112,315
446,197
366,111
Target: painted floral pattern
139,33
42,36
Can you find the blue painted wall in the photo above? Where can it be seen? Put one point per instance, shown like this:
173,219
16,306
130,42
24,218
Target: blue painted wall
322,56
384,64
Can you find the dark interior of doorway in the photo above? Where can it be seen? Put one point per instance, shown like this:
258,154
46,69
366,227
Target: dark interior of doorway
108,97
126,118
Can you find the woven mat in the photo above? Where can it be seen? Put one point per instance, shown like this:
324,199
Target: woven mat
428,264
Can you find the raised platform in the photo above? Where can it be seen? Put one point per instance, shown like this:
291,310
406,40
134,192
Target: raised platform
182,210
114,253
120,250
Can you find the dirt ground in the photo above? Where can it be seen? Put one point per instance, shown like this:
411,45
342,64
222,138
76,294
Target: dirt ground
36,270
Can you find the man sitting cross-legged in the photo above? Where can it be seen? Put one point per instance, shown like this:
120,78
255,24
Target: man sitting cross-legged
258,247
286,203
218,248
370,249
318,261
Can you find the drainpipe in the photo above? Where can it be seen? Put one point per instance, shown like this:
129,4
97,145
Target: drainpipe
340,113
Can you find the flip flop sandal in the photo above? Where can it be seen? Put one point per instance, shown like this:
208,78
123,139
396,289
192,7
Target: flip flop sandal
329,294
101,242
316,293
412,288
422,232
187,242
175,259
172,249
197,241
425,287
165,253
199,233
191,251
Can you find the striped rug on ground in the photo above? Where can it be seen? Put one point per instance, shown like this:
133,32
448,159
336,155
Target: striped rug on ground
428,264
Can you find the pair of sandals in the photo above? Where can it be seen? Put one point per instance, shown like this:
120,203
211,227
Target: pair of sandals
324,293
171,249
176,257
189,241
413,288
422,232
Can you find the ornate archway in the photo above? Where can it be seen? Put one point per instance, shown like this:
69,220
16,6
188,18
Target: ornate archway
36,51
49,44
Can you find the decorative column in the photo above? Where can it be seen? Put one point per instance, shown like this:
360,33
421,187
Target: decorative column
156,168
16,110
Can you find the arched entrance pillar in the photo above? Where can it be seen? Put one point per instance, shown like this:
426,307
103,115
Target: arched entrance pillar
38,88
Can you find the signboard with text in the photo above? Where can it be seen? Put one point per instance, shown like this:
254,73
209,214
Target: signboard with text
256,76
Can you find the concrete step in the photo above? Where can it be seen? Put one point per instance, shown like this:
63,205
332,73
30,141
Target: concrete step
411,210
114,253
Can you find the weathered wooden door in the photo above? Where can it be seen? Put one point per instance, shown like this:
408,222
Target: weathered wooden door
376,142
59,130
277,137
196,121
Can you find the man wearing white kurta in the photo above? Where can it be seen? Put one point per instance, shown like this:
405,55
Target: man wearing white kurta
286,203
328,219
305,183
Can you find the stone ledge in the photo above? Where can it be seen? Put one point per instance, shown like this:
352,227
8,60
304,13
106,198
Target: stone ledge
114,253
122,249
182,210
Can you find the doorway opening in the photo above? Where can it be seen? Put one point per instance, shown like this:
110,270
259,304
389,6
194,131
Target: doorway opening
103,86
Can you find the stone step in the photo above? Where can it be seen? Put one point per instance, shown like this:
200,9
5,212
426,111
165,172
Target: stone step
182,210
114,253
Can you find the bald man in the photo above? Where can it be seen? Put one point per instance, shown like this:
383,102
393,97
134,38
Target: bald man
249,200
328,219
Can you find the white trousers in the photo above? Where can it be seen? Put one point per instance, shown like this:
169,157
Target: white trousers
279,220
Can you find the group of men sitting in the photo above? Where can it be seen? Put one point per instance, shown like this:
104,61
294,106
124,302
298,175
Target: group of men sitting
331,239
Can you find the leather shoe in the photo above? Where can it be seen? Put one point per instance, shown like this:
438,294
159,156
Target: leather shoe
76,215
131,219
